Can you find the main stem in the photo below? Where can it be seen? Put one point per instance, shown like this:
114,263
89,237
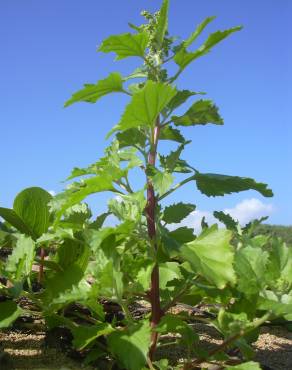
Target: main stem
156,311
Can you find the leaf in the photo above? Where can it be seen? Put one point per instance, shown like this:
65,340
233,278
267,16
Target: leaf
125,45
85,335
226,219
162,181
212,256
250,267
98,222
70,252
131,345
212,184
131,137
76,216
173,324
10,216
138,73
177,212
92,92
200,113
183,234
180,97
183,58
246,366
19,263
146,105
9,312
200,28
162,23
170,161
170,133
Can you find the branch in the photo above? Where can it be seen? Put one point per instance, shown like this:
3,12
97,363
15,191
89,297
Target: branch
177,186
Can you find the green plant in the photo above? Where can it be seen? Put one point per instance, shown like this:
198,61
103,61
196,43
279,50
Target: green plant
141,258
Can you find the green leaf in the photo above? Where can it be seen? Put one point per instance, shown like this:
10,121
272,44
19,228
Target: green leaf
180,97
146,105
226,219
246,366
183,58
125,45
92,92
138,73
200,113
19,263
162,181
10,216
98,222
9,312
172,161
173,324
177,212
200,28
71,252
250,267
212,184
162,23
131,345
183,234
130,137
212,256
76,216
85,335
170,133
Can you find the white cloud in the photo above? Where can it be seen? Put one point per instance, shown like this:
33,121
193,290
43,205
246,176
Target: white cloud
52,192
249,209
244,212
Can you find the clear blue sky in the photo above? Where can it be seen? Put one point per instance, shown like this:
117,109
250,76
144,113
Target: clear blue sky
48,50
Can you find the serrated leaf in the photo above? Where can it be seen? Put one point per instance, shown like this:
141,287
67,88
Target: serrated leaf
200,113
177,212
19,263
170,133
125,45
162,181
211,256
200,28
146,105
170,161
183,234
92,92
162,23
9,312
183,58
251,262
130,137
180,97
212,184
226,219
131,345
85,335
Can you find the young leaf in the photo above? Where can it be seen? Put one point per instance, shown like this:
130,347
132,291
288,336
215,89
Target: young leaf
125,45
200,113
9,312
183,58
211,256
130,137
170,161
212,184
146,105
177,212
131,345
161,181
92,92
162,23
200,28
180,98
226,219
170,133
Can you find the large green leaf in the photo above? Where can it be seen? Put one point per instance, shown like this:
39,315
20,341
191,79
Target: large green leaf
162,23
212,184
9,312
177,212
200,113
146,105
92,92
212,256
250,267
30,214
85,335
19,263
183,58
125,45
162,181
131,345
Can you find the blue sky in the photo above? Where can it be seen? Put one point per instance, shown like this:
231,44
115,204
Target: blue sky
48,50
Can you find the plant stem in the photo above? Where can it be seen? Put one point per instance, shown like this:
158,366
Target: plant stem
154,294
177,186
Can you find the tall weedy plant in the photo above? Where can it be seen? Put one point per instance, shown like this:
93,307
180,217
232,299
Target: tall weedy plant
141,257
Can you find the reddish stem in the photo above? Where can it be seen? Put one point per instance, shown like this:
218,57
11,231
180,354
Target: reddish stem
154,295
